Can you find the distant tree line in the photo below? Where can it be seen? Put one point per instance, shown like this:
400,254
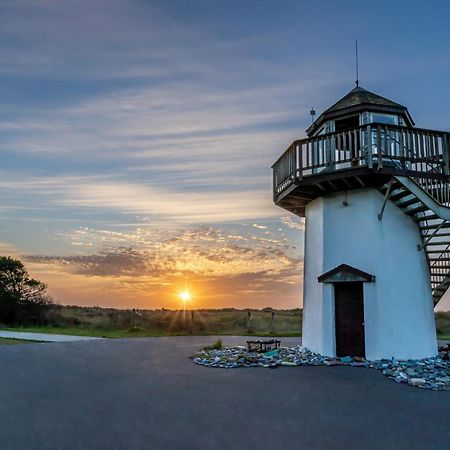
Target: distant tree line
23,300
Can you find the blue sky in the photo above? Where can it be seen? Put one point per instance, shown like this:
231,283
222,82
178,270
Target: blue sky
137,136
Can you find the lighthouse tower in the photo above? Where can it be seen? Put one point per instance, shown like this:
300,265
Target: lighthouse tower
375,194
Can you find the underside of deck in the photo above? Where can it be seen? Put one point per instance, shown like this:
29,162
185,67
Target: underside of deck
299,194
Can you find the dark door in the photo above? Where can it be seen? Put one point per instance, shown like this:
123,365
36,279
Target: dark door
349,314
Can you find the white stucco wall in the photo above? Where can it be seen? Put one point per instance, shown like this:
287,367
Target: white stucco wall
398,307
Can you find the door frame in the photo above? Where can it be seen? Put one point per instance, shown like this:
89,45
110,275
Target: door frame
343,273
363,330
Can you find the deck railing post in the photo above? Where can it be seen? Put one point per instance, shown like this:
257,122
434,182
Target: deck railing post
299,155
445,148
326,144
369,146
379,146
274,182
401,150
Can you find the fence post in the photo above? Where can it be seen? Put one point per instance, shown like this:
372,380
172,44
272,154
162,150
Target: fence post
272,322
249,319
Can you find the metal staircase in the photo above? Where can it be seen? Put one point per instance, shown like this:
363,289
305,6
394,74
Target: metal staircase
427,201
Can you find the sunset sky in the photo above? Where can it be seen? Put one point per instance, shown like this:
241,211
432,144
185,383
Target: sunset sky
137,136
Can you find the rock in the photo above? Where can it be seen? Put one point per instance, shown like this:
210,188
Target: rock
429,373
417,381
288,363
401,377
332,362
359,364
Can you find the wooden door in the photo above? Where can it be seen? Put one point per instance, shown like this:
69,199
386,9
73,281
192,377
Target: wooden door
349,316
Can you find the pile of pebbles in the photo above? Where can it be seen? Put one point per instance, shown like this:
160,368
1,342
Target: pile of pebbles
430,373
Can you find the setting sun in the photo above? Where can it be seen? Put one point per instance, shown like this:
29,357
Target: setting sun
185,296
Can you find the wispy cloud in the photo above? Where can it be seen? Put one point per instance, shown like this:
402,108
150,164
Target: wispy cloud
296,224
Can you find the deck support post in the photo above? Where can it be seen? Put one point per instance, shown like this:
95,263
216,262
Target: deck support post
386,196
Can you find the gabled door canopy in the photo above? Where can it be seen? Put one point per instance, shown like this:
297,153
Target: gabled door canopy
344,274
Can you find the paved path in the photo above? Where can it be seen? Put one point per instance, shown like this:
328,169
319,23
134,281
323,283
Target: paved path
146,394
44,337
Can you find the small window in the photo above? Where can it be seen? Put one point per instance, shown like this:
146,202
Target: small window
385,118
346,123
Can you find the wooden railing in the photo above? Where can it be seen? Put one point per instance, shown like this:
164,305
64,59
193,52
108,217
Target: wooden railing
412,152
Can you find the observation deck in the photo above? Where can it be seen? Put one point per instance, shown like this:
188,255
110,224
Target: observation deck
361,157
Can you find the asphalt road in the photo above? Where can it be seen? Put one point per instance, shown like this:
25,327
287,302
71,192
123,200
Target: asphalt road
147,394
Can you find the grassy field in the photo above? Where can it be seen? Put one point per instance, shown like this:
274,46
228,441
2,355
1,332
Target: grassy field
443,324
113,323
6,341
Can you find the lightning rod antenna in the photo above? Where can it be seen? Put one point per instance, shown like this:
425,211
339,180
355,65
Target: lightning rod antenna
356,61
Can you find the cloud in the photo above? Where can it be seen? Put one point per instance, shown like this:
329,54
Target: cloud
157,252
229,268
104,193
298,224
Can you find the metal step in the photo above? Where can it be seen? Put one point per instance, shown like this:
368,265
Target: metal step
399,195
426,218
407,203
433,227
418,209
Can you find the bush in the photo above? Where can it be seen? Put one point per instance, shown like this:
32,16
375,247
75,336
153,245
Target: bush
23,300
216,346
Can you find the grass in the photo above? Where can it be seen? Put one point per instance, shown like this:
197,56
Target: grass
443,324
112,323
89,331
10,341
118,333
216,346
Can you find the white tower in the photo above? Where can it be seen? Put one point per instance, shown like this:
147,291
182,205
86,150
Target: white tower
374,191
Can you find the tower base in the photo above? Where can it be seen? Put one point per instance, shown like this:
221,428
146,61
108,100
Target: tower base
396,305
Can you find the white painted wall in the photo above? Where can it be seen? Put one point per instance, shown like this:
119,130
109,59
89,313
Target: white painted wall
398,307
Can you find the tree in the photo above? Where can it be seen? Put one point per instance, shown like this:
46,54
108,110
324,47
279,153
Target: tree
22,298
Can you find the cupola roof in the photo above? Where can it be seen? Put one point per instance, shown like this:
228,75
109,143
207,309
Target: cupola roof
359,100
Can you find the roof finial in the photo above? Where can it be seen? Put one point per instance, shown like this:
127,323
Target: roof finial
356,61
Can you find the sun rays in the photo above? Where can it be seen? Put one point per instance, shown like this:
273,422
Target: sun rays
185,296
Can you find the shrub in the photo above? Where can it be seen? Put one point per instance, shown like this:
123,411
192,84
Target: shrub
23,299
216,346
